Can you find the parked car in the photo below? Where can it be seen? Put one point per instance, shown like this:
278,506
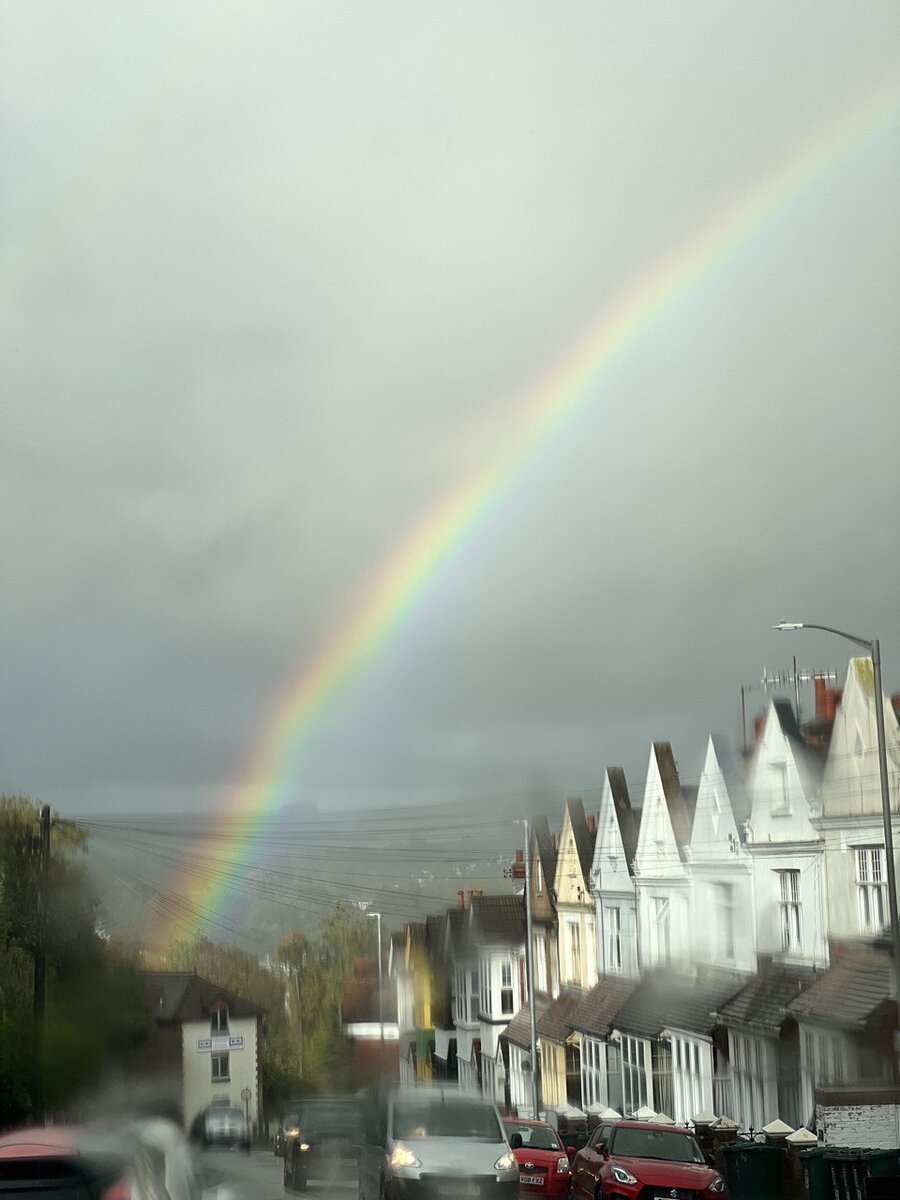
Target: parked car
323,1143
436,1143
624,1160
543,1159
125,1161
221,1126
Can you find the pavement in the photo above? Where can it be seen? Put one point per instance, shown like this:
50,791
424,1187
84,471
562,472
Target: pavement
258,1176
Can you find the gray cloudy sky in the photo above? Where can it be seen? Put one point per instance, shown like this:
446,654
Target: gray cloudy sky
277,276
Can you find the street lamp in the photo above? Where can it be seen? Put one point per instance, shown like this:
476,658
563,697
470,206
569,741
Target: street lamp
529,972
874,651
377,916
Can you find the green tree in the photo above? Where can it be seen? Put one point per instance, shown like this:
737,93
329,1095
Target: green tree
94,1013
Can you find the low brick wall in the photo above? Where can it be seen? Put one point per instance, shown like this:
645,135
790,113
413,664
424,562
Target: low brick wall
863,1116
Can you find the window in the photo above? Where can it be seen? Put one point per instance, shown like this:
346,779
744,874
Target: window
474,996
539,963
871,889
789,907
612,927
506,989
220,1068
723,921
574,930
748,1072
219,1019
593,1072
662,928
486,996
462,995
635,1086
540,878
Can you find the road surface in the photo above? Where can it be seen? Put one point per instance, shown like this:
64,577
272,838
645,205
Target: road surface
257,1176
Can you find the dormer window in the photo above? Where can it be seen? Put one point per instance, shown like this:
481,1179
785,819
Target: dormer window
218,1019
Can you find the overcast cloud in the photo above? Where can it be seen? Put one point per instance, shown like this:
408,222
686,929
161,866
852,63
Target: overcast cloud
277,276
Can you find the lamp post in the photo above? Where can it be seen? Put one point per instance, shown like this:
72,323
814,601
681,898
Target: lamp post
874,651
529,972
377,916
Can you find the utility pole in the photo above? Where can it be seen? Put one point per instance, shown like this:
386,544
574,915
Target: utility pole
40,962
529,971
377,916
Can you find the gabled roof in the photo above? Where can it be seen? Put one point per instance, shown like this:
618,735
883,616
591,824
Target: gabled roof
555,1023
584,840
680,814
763,1002
733,774
518,1031
184,996
625,815
848,992
813,759
668,999
498,919
597,1008
545,851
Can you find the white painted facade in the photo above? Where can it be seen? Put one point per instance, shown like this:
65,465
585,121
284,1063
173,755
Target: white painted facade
784,845
218,1064
575,908
851,821
663,883
615,893
723,925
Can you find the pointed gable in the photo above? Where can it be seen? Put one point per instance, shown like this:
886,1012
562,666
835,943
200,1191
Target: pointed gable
721,805
542,886
852,784
784,780
613,864
573,865
665,819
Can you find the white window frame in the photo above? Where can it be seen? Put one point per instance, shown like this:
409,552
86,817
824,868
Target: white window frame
222,1060
750,1072
612,932
539,963
218,1019
661,914
790,910
636,1073
593,1072
871,889
691,1076
507,991
574,955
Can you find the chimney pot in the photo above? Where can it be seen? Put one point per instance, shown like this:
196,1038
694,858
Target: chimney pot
759,727
592,824
470,892
460,900
895,703
520,856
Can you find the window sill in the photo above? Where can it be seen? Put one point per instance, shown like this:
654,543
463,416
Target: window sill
223,1079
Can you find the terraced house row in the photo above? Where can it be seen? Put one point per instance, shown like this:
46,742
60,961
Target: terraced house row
719,949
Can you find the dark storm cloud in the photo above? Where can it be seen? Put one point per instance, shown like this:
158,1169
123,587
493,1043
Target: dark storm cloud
276,277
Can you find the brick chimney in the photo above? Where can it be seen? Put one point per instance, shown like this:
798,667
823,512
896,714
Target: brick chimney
759,727
520,856
895,704
592,824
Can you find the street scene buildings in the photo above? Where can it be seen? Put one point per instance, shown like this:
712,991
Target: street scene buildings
719,952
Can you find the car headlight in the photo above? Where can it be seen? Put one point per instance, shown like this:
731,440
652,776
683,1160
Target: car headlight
403,1158
506,1162
304,1146
620,1175
562,1166
717,1185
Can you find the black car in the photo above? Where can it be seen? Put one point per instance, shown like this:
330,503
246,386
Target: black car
324,1141
221,1126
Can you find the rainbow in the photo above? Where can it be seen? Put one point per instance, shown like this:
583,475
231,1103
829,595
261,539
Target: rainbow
386,600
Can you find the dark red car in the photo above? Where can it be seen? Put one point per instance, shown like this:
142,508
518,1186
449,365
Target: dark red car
542,1158
636,1160
58,1161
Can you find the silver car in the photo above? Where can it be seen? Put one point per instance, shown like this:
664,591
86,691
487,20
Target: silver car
436,1143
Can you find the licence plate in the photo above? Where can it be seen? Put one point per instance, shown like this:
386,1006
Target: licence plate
459,1189
533,1180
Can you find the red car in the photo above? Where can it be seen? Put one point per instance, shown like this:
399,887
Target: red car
636,1160
61,1161
542,1158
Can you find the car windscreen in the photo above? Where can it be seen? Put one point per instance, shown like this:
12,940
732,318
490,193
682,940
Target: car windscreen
536,1137
656,1143
57,1178
335,1117
420,1117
